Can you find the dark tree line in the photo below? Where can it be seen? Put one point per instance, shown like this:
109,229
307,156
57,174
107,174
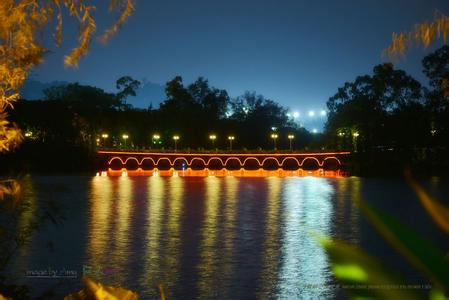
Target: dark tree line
391,110
387,111
75,114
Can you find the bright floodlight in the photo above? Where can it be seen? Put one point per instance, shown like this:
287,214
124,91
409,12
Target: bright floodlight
355,134
323,113
125,136
296,114
212,136
156,136
291,136
311,113
231,138
176,137
274,136
105,135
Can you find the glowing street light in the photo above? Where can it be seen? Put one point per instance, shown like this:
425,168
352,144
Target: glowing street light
290,138
296,114
125,138
311,113
274,136
176,138
213,137
230,138
104,136
323,113
355,135
155,138
28,134
314,131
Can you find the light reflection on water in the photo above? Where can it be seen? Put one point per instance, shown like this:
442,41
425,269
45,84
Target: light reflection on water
207,237
213,237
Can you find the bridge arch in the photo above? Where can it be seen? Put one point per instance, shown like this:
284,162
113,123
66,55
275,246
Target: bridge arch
180,163
290,163
116,163
163,163
331,163
215,163
147,163
270,163
233,163
251,163
132,163
197,163
310,163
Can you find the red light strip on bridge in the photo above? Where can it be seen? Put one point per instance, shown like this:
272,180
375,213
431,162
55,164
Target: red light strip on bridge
223,154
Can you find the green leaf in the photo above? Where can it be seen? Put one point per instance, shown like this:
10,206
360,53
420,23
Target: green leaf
364,276
419,252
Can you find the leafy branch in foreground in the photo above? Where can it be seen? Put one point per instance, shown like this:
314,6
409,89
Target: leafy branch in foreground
352,265
422,35
21,44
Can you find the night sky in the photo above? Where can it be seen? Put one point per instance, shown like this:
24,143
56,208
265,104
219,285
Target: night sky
295,52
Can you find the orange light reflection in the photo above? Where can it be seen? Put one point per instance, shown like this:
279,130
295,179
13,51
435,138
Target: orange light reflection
224,172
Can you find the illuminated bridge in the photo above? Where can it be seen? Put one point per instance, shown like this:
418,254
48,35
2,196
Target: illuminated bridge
147,163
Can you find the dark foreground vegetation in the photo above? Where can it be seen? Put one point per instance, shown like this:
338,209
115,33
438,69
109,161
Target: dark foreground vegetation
388,119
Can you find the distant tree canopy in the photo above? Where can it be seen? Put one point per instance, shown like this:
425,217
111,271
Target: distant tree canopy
127,86
83,96
391,109
192,111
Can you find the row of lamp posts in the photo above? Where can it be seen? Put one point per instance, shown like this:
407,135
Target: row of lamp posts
155,138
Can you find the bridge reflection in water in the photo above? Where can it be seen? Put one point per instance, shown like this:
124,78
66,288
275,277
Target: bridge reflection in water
122,163
218,237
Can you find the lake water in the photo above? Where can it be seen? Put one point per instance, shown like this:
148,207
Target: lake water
210,237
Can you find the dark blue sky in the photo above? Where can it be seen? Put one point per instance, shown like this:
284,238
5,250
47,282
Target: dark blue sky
296,52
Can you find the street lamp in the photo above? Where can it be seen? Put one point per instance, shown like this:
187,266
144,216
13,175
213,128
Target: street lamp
230,138
290,138
125,137
176,138
104,136
274,136
155,138
213,137
355,136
